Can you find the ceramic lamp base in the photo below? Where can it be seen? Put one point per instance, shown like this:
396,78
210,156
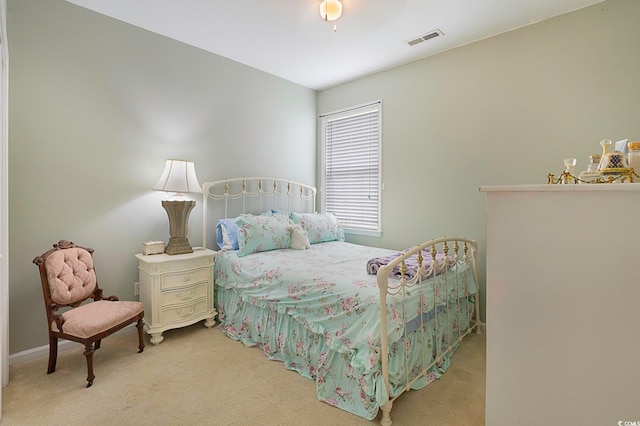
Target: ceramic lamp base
178,212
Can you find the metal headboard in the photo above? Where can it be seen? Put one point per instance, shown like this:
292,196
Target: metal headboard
254,195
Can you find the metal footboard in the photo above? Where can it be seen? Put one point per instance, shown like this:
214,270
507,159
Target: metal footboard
443,313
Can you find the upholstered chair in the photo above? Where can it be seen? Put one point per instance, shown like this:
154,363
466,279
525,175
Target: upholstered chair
76,309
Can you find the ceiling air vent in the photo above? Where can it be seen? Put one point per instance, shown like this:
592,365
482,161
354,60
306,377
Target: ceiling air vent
424,37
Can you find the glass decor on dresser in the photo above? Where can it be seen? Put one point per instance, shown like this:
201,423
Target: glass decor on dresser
621,165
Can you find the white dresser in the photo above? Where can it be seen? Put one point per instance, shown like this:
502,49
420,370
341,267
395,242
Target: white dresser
176,290
563,304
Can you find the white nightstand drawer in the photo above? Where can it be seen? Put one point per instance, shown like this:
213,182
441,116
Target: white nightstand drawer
170,281
184,294
181,313
176,290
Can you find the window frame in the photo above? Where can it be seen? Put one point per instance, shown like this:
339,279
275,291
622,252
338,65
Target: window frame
375,106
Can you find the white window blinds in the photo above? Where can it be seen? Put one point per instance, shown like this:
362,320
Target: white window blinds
352,178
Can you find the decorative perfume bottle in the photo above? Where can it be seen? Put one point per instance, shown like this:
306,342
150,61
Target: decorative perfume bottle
634,159
591,174
606,145
568,175
594,162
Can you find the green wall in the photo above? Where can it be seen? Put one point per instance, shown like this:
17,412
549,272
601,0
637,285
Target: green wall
95,108
505,110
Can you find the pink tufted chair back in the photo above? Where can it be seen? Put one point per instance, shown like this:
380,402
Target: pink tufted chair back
70,275
68,279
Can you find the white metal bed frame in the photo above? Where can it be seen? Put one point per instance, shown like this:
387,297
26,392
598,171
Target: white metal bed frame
259,188
303,197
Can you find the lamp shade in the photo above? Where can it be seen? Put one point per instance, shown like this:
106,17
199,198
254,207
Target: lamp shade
178,176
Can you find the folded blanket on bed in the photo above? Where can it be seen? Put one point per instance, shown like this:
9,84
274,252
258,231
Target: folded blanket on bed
412,264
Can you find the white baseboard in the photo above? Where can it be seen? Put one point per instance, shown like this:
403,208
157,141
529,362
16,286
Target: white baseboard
43,351
38,352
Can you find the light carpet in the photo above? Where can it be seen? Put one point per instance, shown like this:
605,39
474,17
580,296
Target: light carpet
198,376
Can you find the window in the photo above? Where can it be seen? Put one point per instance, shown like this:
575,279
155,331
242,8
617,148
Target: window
351,179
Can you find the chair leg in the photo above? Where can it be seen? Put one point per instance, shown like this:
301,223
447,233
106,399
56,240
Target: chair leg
88,352
97,344
140,336
53,354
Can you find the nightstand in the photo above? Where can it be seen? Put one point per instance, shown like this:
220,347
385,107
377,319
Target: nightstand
176,290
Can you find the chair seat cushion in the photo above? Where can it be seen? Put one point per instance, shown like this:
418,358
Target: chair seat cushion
93,318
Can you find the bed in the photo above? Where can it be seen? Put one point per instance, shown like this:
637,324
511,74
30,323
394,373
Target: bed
365,323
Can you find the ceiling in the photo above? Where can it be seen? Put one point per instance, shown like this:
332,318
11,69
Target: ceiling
288,38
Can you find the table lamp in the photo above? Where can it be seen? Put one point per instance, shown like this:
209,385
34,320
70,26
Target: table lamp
179,177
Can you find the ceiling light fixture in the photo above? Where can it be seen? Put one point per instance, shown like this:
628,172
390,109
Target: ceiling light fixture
331,10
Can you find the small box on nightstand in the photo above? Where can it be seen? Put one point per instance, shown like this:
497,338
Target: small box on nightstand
152,247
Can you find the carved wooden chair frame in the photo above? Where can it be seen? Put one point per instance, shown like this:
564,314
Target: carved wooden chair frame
91,343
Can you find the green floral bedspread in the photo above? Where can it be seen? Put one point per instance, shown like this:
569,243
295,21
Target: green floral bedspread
317,311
